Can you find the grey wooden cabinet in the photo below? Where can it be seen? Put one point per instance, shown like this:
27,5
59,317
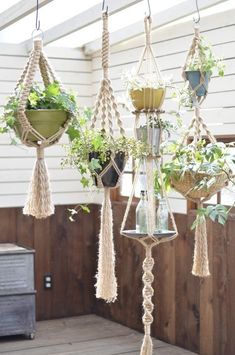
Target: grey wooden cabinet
17,294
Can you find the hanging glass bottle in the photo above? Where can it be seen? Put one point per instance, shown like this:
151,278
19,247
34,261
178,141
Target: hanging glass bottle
162,216
141,214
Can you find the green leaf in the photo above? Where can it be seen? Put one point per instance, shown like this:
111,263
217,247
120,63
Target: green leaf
73,132
84,181
85,208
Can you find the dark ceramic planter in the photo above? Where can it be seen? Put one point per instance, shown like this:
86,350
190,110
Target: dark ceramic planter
194,77
111,177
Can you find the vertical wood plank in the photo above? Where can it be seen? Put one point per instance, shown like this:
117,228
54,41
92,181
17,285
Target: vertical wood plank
187,287
8,225
164,297
230,302
220,287
24,229
42,244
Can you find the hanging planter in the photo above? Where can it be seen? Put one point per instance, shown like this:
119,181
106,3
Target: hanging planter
151,132
145,86
195,77
196,171
39,117
147,98
47,111
109,172
99,158
200,64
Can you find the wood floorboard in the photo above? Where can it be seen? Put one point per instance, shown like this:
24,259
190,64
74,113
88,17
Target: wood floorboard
84,335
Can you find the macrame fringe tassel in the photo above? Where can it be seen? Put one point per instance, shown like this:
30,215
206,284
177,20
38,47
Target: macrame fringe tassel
147,346
200,260
106,286
39,203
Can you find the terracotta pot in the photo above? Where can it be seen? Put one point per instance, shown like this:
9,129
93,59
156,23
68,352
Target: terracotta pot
148,98
111,177
45,122
194,78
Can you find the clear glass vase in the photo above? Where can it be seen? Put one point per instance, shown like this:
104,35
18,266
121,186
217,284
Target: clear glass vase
162,216
141,214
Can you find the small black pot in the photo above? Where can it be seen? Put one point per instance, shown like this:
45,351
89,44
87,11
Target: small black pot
111,177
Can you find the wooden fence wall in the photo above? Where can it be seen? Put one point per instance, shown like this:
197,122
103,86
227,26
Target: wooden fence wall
197,315
65,250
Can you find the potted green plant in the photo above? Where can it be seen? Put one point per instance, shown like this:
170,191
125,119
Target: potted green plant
47,110
151,133
91,151
201,68
198,172
146,92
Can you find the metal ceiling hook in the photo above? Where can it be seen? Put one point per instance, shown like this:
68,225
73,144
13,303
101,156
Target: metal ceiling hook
103,6
37,23
198,14
149,9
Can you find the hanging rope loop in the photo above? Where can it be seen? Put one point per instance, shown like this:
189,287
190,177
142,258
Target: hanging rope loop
106,109
148,25
105,45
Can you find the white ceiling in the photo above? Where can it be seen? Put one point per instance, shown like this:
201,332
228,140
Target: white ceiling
58,11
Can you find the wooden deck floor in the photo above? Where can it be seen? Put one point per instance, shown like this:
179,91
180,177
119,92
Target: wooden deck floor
85,335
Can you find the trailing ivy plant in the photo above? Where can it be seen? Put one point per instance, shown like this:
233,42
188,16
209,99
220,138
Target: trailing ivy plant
209,159
208,62
48,98
84,141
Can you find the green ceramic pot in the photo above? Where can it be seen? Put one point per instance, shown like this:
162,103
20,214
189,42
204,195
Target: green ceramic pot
45,122
148,98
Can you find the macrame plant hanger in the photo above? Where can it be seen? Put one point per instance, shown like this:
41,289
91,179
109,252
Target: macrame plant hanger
152,238
198,130
105,112
39,203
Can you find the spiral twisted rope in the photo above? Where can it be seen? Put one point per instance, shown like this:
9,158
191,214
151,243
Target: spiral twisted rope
148,291
105,106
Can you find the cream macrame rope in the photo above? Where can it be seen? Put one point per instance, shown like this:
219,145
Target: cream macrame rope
150,239
200,259
38,202
196,128
106,286
105,106
148,53
148,242
148,291
106,111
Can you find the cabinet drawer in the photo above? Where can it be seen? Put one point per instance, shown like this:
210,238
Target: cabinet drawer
17,314
16,272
